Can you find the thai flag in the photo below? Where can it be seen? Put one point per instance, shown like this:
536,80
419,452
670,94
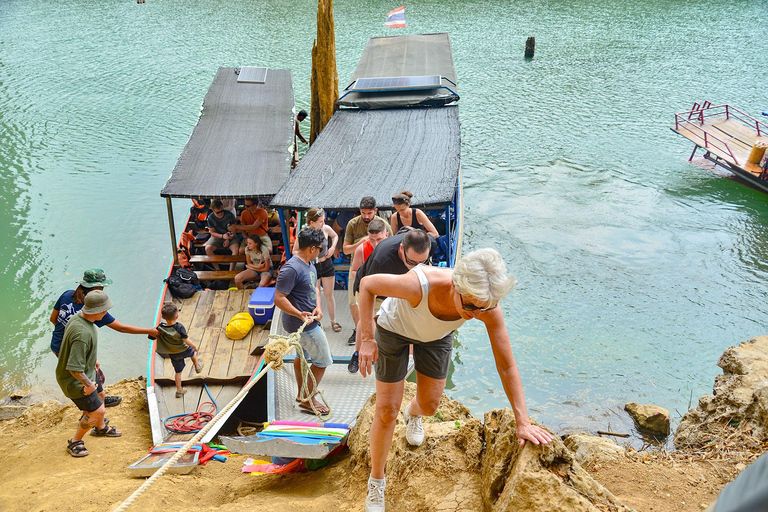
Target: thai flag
396,18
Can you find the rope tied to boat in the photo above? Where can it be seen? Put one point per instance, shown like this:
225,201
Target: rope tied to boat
288,343
274,352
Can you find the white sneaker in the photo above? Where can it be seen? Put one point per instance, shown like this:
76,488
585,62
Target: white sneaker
374,502
414,430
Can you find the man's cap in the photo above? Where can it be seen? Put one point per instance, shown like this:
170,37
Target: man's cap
94,277
96,302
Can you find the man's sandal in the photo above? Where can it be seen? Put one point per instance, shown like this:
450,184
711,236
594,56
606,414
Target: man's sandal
76,449
336,326
107,431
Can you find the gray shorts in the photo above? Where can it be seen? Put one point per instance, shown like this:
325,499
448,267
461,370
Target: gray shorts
431,358
219,242
315,346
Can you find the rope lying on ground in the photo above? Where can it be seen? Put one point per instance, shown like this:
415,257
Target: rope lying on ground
273,357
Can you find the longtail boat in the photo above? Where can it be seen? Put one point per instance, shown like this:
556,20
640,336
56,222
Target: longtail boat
397,128
242,147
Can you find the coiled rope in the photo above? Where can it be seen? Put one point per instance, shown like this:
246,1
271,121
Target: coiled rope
273,357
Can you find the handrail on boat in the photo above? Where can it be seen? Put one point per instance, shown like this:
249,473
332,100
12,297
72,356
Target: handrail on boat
709,140
702,112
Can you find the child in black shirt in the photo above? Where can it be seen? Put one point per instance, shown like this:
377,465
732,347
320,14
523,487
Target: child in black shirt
172,340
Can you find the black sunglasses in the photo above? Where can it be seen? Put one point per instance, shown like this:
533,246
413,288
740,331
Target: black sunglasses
412,263
473,307
398,200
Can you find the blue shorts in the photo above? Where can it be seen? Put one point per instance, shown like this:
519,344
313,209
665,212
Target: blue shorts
315,346
178,359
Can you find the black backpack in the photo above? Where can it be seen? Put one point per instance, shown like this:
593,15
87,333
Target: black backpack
183,283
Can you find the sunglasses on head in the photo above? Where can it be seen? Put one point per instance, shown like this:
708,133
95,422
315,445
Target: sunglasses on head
473,307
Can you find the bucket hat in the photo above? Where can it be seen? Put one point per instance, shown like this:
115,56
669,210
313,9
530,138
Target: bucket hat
96,302
94,277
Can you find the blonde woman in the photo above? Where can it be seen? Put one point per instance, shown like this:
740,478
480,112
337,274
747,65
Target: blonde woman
326,272
411,217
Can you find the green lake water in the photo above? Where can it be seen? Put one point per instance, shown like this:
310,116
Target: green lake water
635,268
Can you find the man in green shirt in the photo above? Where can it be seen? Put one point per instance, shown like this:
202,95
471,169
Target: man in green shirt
357,233
76,371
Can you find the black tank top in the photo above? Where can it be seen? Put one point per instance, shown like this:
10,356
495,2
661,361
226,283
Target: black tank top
415,224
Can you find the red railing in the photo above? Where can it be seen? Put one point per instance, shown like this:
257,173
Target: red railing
693,121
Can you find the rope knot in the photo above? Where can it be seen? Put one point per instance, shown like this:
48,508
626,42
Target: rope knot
274,352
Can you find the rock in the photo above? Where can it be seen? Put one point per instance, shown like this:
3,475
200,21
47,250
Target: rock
533,478
591,449
649,418
8,412
740,395
451,453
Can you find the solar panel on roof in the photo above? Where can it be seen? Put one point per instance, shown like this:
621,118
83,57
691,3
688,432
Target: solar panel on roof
252,75
397,83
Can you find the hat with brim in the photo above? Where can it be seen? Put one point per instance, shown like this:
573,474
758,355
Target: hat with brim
96,302
94,277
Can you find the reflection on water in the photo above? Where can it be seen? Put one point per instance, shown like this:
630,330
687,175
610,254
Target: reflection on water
635,268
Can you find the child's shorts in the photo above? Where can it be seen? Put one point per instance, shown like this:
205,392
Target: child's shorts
178,359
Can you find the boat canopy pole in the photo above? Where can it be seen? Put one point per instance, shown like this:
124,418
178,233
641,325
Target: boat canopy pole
286,238
449,237
173,230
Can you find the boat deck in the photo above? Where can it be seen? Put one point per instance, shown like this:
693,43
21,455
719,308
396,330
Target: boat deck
345,393
227,363
729,139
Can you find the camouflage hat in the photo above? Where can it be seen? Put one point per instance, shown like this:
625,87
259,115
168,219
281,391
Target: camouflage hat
94,277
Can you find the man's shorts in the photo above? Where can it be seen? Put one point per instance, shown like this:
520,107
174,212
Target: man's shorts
351,295
315,346
178,359
325,268
430,358
219,242
89,403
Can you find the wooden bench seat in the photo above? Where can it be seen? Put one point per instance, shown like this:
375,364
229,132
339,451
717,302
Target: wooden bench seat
215,275
217,258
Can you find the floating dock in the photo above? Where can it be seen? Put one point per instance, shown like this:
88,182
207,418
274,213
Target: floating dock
728,136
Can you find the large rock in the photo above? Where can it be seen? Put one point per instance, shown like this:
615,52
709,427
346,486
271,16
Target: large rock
650,419
589,450
740,395
535,478
441,474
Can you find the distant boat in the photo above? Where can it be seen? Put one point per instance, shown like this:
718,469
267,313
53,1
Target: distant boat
730,137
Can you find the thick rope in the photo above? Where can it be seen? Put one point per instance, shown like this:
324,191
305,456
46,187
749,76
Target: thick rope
274,359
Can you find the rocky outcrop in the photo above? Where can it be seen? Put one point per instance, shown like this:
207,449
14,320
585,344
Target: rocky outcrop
740,397
589,450
485,467
649,419
17,403
544,477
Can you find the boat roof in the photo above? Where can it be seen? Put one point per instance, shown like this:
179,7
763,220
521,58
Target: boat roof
378,153
412,55
240,146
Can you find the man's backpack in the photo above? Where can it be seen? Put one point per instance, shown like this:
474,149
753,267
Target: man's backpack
183,283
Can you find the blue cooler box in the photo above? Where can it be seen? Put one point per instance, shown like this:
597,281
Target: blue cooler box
262,305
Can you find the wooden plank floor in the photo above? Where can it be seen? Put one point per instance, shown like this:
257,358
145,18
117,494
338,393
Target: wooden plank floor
736,134
225,361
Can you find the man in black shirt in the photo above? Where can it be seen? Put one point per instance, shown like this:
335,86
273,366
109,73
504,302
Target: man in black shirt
394,255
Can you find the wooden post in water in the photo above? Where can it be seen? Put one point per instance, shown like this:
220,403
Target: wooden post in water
530,47
324,83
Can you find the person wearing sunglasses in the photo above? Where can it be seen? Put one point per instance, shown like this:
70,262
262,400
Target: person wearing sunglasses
424,307
394,255
411,217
